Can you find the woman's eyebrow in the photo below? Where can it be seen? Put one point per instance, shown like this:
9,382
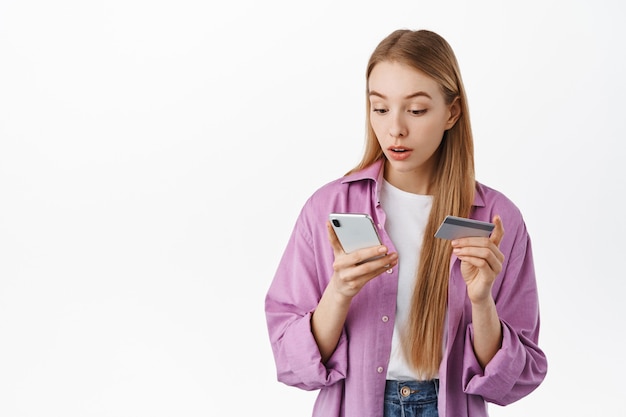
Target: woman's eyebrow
413,95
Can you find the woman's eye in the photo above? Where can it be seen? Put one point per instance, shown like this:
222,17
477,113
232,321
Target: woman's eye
380,111
417,112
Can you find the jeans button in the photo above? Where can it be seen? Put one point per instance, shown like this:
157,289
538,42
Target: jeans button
405,391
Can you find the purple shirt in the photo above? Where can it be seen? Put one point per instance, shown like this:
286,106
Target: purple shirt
352,382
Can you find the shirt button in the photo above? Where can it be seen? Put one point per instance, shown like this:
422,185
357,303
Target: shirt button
385,319
380,369
390,271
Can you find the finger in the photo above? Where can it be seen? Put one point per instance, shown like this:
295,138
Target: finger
368,254
377,266
489,262
481,256
465,242
357,275
498,231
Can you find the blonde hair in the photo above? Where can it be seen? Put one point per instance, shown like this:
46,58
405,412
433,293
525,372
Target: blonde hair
453,187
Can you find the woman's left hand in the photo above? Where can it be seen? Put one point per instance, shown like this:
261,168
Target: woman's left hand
481,261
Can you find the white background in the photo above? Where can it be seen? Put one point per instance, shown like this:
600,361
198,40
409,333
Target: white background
154,156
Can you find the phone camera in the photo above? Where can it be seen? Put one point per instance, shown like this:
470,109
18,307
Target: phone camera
336,223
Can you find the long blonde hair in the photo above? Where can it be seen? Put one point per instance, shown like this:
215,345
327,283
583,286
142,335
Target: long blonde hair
453,187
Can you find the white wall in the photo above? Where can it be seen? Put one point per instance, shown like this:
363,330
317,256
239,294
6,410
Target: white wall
154,156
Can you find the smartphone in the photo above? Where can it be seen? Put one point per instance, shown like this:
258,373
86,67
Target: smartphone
454,227
355,231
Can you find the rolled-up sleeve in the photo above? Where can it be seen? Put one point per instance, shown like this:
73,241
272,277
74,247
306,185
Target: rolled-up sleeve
520,365
294,294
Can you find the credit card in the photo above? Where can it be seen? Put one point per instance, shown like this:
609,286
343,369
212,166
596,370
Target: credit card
454,227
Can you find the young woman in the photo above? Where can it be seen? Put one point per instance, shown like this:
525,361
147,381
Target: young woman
433,327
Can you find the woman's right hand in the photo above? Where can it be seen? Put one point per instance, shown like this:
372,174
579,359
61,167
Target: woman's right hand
350,272
348,278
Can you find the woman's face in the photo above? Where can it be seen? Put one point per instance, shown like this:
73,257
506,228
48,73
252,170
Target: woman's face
409,116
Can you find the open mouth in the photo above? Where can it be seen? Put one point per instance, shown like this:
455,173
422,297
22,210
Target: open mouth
399,153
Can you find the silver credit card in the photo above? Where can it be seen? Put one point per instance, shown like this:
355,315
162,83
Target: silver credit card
454,227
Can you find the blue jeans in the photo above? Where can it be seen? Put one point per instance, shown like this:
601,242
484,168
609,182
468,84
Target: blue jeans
411,398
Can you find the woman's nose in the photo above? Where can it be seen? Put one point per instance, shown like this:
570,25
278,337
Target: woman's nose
397,129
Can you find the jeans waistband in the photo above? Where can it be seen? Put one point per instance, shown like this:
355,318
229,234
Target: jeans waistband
412,390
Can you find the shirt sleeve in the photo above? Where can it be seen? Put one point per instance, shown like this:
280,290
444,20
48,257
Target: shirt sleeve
520,365
293,295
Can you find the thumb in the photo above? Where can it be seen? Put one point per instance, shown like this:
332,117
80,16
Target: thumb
498,231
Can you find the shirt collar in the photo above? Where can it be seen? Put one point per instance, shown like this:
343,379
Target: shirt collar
478,196
374,172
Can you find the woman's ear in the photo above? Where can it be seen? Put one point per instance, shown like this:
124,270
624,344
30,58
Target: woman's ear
455,113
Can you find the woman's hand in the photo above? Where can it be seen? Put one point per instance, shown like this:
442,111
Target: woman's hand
349,277
350,272
481,262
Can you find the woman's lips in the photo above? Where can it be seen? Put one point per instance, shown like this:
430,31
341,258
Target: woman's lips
399,153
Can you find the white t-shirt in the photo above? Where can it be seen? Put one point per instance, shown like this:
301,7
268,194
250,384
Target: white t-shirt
407,216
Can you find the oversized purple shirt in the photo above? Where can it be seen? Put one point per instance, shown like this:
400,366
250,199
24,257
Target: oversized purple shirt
352,382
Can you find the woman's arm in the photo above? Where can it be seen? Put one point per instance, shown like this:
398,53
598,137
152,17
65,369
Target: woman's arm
520,365
481,261
487,331
348,278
